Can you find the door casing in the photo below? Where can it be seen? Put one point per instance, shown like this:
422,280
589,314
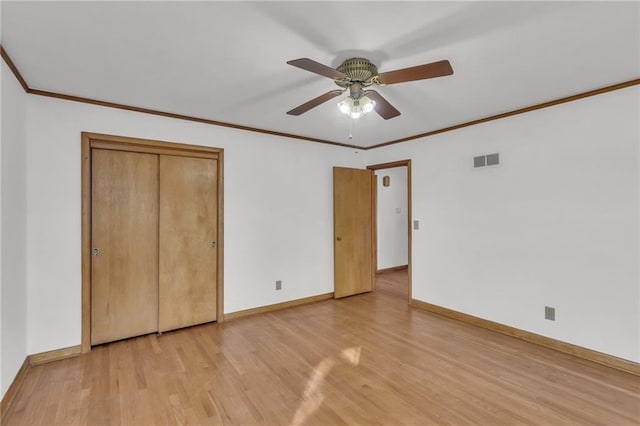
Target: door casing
390,165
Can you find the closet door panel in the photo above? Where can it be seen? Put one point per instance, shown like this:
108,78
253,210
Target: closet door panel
188,224
124,262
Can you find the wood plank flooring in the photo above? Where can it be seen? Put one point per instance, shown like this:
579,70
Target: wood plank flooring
368,359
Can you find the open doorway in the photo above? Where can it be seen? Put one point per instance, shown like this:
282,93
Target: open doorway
392,224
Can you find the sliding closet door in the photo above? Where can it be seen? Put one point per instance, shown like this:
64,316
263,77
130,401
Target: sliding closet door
188,241
124,241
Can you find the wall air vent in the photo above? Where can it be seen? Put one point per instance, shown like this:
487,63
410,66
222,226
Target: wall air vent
493,159
486,160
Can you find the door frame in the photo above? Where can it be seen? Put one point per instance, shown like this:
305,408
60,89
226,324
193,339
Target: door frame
123,143
391,165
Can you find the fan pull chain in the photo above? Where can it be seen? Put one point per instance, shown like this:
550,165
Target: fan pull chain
351,121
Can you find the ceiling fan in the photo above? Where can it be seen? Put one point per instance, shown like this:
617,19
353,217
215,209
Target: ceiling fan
357,74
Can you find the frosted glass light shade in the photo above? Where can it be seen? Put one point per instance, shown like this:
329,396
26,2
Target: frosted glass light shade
356,108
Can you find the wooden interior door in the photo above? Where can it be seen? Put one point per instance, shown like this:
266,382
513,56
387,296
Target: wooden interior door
124,262
188,241
353,231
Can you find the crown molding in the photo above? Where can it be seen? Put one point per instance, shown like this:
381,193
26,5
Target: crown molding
14,69
184,117
535,107
107,104
571,98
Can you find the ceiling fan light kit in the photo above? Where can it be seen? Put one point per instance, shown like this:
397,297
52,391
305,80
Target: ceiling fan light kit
356,74
356,107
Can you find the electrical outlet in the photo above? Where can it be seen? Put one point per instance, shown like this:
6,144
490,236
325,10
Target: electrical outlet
549,313
398,210
279,285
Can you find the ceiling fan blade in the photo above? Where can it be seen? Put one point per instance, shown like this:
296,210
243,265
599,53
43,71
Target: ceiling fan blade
315,102
318,68
420,72
383,107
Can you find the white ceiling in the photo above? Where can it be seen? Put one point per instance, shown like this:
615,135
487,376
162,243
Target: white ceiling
226,61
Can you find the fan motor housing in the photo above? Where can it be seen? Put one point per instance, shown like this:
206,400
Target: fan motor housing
358,70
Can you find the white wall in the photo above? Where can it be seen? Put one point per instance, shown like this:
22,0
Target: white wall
392,218
555,224
3,388
278,211
13,276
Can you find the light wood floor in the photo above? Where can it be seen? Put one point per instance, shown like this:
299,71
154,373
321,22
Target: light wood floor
368,359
